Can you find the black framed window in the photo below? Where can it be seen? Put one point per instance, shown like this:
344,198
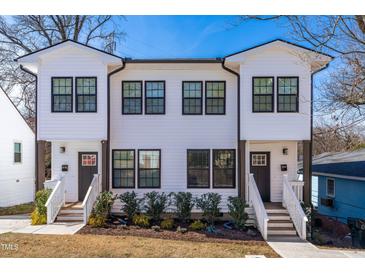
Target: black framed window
149,168
224,168
215,97
132,97
86,94
198,168
154,97
288,89
330,189
123,168
17,152
62,94
263,94
192,97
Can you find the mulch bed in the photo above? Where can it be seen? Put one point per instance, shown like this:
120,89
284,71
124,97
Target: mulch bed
223,236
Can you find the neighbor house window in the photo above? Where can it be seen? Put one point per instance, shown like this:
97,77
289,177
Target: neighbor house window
192,97
330,187
224,168
263,94
61,94
198,168
155,97
215,97
86,94
17,152
149,170
132,97
288,94
123,168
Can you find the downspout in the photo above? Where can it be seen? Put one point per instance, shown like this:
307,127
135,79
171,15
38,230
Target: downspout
239,173
35,121
108,122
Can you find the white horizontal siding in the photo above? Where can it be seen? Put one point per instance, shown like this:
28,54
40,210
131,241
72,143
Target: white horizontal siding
16,179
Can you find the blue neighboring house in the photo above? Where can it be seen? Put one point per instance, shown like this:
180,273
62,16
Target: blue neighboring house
341,184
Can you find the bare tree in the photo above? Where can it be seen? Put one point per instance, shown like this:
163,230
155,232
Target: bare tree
24,34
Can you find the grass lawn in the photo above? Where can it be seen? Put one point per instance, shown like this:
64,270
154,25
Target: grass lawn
30,245
18,209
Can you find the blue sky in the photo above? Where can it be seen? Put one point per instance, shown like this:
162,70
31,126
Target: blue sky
193,36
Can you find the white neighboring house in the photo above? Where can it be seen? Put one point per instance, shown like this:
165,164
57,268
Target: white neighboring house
227,125
17,159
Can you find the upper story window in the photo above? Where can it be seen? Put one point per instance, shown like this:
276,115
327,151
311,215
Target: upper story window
149,170
215,97
86,94
330,187
62,94
224,168
17,152
155,97
263,94
123,169
198,171
288,94
132,97
192,97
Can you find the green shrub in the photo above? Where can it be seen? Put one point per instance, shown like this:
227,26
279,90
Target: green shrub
156,204
209,204
184,203
37,218
131,204
97,220
236,207
197,225
167,224
141,220
41,198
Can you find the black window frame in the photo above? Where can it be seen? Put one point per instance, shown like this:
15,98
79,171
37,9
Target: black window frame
277,94
187,169
272,95
16,153
224,98
146,97
72,94
77,95
126,98
201,97
134,169
334,187
139,169
234,168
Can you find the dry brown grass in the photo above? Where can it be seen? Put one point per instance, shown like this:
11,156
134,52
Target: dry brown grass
85,246
18,209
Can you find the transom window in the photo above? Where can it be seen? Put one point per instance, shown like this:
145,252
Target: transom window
132,97
263,94
149,171
86,94
259,160
288,94
198,162
61,94
155,97
330,187
192,97
88,160
224,168
215,102
123,169
17,152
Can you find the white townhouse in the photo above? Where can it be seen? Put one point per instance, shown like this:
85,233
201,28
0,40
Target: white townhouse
229,125
17,155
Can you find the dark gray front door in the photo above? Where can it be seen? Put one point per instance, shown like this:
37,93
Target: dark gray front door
260,167
88,166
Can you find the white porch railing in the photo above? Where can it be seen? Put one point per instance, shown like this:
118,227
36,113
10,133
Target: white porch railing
297,187
292,204
258,206
56,200
91,196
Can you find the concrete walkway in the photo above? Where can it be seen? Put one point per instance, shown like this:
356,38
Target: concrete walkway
21,224
293,247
